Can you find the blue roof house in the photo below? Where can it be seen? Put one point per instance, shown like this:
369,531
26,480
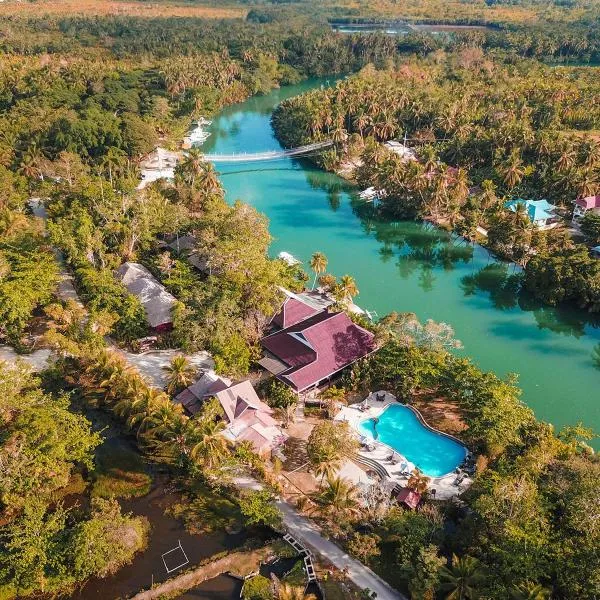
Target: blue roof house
540,212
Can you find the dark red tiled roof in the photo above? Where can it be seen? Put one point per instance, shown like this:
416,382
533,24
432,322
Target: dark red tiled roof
293,311
409,497
318,347
589,202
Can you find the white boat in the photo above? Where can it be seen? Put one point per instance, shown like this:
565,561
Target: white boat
288,259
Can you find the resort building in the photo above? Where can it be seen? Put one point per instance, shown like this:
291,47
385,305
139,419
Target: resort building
248,418
155,299
540,212
159,164
586,205
409,497
310,344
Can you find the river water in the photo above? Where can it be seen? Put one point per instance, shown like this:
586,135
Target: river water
409,266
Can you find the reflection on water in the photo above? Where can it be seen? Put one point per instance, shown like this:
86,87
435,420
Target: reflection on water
415,267
147,567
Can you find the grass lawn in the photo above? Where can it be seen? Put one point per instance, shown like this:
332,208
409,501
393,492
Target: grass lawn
120,472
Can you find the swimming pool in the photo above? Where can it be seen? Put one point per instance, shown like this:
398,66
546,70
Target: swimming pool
400,428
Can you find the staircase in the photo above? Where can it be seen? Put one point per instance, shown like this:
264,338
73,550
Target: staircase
371,464
298,547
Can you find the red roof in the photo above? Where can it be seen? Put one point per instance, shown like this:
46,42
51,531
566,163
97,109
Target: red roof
293,311
318,347
589,202
409,497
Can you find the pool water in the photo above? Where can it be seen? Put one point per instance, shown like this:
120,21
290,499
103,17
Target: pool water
399,427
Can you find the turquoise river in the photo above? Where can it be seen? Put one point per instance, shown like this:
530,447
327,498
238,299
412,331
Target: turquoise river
413,267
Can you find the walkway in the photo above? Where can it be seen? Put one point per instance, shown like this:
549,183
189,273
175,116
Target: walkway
308,533
238,564
272,155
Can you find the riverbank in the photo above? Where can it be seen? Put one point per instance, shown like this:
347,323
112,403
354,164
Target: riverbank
409,266
239,564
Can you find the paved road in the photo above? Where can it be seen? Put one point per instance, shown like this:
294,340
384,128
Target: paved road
308,533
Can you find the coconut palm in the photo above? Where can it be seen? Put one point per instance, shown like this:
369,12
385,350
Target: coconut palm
338,498
327,470
318,263
191,167
461,580
180,374
529,591
210,446
347,288
418,482
209,179
513,170
289,592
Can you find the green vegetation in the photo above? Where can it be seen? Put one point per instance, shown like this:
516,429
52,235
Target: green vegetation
44,546
258,509
120,472
257,588
83,99
328,443
485,130
518,529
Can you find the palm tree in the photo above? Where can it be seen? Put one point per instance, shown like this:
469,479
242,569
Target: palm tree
180,374
327,469
191,167
289,592
210,445
318,263
209,179
338,498
417,481
513,170
462,578
347,288
529,591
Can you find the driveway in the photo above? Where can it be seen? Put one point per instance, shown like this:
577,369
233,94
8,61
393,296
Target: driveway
308,533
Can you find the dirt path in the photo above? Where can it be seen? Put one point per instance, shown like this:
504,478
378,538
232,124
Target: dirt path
238,564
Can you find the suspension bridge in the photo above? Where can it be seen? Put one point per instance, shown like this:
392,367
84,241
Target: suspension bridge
243,157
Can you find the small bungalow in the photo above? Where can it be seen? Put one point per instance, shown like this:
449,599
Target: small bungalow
248,418
540,212
156,301
586,205
595,251
409,497
310,345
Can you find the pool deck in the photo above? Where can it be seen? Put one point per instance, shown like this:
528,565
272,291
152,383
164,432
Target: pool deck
445,488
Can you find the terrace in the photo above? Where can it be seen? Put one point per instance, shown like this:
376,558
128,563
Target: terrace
392,463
